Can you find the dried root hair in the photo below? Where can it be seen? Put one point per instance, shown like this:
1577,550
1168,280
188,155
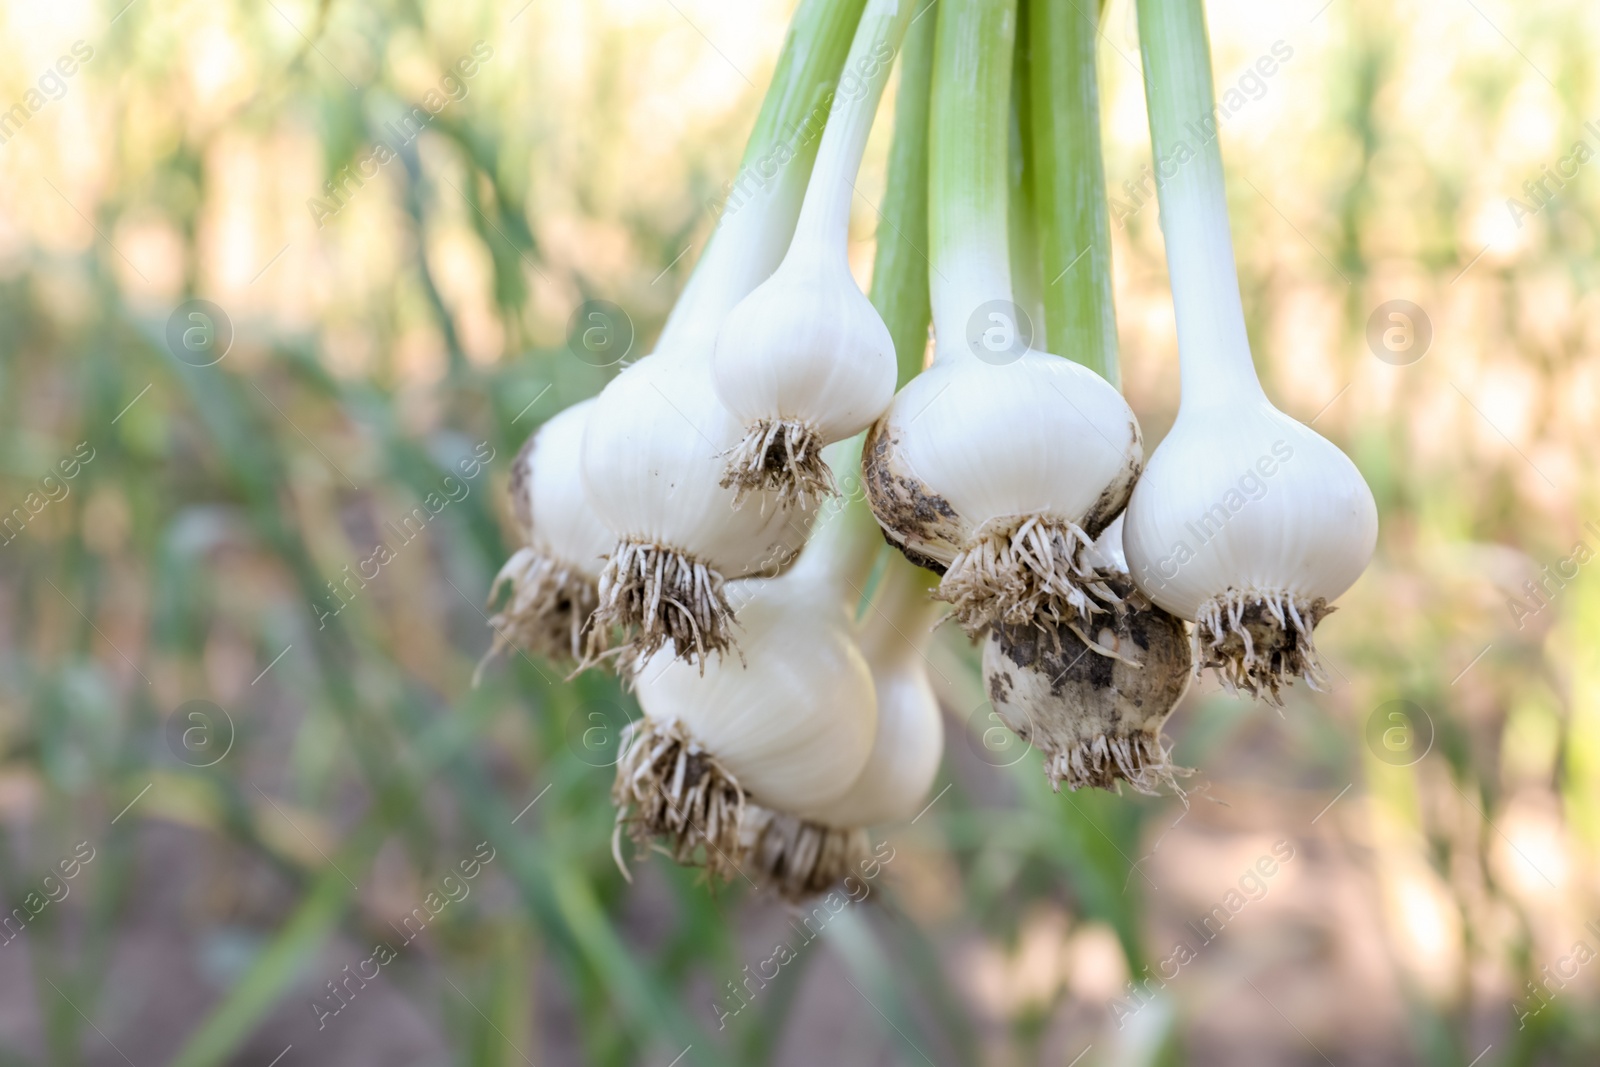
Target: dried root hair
782,457
794,857
658,596
548,611
1260,642
1026,570
674,797
1141,759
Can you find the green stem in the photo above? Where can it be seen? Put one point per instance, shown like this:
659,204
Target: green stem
1215,364
900,268
1070,185
763,203
1021,210
968,159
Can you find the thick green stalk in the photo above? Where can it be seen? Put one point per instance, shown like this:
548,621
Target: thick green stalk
1215,364
968,158
900,268
1023,218
1070,185
763,202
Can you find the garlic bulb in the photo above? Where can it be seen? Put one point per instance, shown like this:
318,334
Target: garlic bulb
1000,464
652,466
1094,710
805,359
1250,524
805,853
1246,522
553,575
787,724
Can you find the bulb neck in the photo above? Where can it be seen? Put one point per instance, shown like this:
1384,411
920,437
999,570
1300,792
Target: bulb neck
763,201
969,140
824,221
1215,365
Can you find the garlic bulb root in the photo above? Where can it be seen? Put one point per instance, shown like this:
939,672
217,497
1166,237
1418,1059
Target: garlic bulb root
657,595
674,796
1021,569
1095,709
1261,642
549,610
796,857
781,456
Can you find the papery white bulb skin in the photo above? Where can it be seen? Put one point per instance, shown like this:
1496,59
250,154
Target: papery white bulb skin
652,467
554,575
803,361
807,852
1250,524
788,723
1000,475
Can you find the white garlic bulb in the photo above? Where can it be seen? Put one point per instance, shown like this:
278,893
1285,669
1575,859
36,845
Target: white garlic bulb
1094,703
787,724
652,467
1001,476
553,577
805,360
1250,524
805,851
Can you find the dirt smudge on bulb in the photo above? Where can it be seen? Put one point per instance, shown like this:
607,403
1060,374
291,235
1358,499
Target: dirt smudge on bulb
1095,711
908,511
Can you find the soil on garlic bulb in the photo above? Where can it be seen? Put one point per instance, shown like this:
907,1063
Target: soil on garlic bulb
1095,712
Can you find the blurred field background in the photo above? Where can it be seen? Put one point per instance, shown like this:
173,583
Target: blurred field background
1441,806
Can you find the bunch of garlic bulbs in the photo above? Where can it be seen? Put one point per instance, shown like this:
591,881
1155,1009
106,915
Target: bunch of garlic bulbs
712,524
